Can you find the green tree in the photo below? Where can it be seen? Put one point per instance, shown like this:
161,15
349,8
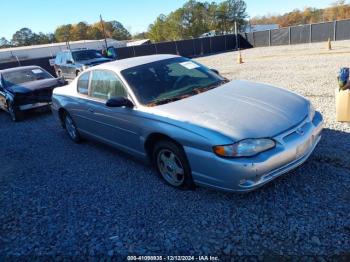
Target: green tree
117,31
94,32
23,37
195,18
229,12
64,33
41,38
79,31
4,43
158,30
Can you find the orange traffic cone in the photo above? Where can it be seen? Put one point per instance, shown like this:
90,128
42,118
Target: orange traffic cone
329,44
239,58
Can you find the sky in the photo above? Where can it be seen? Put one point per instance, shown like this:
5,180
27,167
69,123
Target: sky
45,15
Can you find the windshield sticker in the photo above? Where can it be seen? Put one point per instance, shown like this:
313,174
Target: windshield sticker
189,65
37,71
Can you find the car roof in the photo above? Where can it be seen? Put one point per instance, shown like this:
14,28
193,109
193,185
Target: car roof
76,50
18,68
120,65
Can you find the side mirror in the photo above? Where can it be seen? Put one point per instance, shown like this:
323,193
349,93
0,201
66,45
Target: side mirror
69,62
62,81
119,101
215,71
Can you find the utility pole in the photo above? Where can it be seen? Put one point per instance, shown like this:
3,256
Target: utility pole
104,32
236,36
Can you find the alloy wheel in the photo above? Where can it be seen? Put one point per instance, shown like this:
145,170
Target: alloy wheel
70,127
170,167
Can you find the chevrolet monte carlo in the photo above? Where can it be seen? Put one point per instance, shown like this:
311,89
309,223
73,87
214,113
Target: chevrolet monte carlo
194,125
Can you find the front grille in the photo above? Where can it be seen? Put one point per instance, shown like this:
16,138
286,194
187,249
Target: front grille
42,95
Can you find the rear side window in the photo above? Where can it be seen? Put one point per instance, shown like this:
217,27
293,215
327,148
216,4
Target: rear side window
83,83
105,85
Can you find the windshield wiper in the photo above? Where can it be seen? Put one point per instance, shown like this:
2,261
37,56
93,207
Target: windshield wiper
194,91
167,100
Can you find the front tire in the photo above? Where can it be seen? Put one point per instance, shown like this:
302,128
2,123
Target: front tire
172,165
14,112
71,128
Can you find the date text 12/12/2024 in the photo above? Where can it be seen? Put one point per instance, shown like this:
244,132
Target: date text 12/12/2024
172,258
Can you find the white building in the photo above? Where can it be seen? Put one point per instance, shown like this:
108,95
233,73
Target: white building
50,50
257,28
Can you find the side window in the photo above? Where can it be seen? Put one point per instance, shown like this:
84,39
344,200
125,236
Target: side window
63,58
69,57
58,59
105,85
83,83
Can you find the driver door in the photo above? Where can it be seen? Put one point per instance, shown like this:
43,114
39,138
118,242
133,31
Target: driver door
118,125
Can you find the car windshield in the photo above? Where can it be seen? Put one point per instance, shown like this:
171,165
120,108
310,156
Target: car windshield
24,75
86,55
169,80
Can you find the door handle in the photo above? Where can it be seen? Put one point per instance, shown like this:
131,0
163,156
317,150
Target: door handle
91,110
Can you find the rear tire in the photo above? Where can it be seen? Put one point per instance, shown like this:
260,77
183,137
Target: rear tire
71,128
172,165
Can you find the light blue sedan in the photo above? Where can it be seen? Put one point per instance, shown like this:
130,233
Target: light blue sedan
195,126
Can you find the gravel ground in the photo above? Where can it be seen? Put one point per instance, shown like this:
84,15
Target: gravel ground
61,199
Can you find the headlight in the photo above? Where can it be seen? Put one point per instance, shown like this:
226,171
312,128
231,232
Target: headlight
245,148
311,111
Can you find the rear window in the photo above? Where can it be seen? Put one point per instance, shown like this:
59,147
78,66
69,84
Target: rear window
86,55
24,75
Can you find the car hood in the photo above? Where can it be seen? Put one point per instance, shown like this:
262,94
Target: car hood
240,109
95,61
34,85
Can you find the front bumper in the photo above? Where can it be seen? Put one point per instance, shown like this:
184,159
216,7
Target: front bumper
245,174
34,105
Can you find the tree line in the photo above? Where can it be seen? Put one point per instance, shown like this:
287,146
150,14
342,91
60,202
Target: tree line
69,32
191,20
337,11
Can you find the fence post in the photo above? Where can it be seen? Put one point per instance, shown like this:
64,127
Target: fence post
177,50
202,51
225,43
210,44
335,31
133,48
254,39
155,46
270,37
289,37
310,33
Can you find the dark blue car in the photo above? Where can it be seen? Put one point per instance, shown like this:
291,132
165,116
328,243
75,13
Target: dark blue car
26,87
